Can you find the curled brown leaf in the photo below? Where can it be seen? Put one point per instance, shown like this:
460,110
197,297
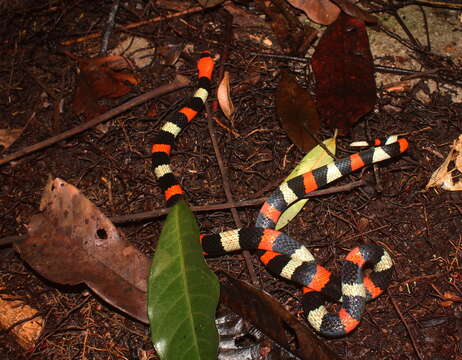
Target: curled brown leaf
224,97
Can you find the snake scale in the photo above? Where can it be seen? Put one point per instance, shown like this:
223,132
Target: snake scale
281,254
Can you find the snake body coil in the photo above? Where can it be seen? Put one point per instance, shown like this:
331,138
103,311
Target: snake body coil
281,254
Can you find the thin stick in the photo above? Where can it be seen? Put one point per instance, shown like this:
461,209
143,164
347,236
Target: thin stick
223,170
178,83
121,219
378,68
164,211
134,25
406,325
109,26
229,195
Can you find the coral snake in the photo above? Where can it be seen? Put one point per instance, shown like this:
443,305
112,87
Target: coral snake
281,254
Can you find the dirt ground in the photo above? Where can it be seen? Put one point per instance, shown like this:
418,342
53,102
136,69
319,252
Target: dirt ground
420,316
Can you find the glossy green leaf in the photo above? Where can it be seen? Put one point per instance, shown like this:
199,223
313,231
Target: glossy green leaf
182,292
314,159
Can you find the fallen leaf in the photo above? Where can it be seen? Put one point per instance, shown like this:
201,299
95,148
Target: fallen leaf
316,158
297,112
182,292
137,49
209,3
344,71
169,54
293,37
355,11
9,136
273,319
224,97
321,11
445,176
13,311
452,296
101,78
72,242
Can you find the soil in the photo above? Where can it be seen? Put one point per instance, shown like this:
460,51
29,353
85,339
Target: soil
420,316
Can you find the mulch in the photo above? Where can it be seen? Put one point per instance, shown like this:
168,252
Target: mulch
421,313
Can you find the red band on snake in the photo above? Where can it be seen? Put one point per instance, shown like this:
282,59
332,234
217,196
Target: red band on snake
281,254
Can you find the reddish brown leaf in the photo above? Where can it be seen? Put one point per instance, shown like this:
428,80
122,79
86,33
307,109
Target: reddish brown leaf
355,11
72,242
344,72
268,315
321,11
297,112
293,38
8,137
101,78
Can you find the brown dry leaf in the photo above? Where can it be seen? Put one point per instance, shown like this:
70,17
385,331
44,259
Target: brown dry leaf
137,49
321,11
273,319
209,3
224,97
353,10
9,136
13,311
297,112
101,78
169,54
444,176
452,296
446,303
72,242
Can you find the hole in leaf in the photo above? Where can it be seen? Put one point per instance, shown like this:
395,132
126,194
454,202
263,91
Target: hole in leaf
101,233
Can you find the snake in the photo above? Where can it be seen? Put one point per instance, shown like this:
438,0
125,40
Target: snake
282,255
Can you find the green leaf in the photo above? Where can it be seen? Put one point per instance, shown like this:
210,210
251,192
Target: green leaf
182,292
314,159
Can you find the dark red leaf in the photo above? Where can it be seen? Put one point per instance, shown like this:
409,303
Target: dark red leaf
297,112
344,72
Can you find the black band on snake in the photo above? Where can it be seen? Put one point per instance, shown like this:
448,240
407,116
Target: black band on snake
281,254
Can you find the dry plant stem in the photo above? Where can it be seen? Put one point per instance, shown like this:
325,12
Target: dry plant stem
122,219
164,211
134,25
178,83
109,26
228,37
378,68
398,311
227,188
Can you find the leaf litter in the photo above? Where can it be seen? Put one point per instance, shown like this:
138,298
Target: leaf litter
412,252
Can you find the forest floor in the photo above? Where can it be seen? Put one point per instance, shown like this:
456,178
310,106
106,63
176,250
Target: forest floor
420,316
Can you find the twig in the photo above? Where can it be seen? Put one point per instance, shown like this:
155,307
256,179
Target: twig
379,68
109,26
223,170
134,25
178,83
428,3
409,34
122,219
164,211
229,195
398,311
